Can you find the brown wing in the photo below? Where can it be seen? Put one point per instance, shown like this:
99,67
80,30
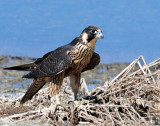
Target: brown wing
49,65
54,63
95,60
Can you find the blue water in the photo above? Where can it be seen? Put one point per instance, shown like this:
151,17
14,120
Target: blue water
34,27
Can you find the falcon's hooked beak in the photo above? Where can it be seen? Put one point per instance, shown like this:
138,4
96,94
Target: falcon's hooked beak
99,35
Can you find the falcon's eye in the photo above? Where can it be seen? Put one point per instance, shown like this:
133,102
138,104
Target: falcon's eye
93,31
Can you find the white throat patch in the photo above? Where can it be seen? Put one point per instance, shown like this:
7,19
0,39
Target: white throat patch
84,38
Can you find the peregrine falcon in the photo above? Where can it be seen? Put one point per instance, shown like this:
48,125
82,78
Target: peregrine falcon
68,60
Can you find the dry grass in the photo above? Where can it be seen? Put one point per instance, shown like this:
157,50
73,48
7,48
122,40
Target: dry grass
131,98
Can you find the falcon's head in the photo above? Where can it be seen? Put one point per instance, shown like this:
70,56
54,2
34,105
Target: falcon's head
91,34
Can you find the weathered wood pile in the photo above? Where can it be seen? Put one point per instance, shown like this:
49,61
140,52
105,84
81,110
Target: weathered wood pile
131,98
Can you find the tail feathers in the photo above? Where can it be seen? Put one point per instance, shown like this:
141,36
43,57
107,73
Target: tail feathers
25,67
34,74
29,75
33,89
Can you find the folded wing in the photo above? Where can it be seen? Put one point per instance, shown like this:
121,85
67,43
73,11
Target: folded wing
49,65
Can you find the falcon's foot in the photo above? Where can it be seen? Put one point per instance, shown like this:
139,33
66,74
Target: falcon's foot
76,103
54,106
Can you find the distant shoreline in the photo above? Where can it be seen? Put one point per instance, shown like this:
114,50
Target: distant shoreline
34,58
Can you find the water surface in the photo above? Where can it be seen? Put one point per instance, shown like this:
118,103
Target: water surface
34,27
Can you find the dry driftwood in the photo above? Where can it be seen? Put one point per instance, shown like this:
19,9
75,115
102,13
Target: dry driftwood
131,98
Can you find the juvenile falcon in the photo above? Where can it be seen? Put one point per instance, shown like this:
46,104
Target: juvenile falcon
68,60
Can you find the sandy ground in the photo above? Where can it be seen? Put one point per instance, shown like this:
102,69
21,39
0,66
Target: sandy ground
12,86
